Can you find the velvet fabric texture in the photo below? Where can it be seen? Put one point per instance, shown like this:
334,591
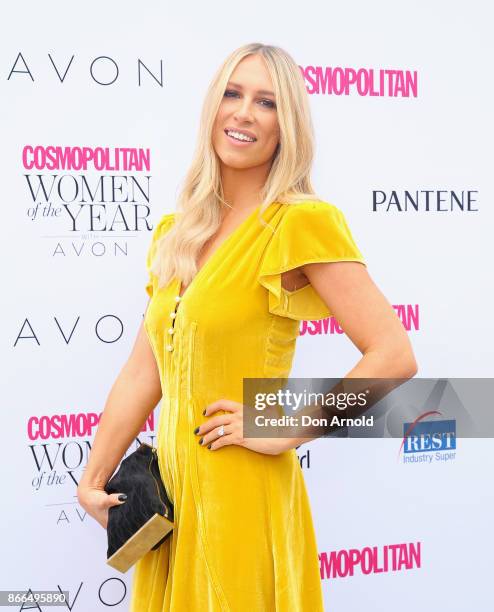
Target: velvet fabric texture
244,538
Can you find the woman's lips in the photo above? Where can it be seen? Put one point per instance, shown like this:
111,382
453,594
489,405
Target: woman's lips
239,143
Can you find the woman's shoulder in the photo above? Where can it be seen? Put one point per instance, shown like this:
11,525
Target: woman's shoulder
166,219
315,227
311,212
164,224
312,207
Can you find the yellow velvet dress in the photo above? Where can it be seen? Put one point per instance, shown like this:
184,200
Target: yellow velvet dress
244,539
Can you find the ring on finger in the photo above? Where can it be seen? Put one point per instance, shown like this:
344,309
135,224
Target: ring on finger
221,430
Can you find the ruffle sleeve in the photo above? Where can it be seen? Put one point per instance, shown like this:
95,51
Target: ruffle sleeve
164,224
309,232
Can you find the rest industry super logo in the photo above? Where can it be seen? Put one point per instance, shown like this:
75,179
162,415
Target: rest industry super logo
428,439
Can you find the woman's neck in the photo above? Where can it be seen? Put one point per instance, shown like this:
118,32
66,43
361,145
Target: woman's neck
242,186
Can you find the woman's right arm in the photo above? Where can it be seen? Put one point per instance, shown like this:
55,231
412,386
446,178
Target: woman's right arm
133,396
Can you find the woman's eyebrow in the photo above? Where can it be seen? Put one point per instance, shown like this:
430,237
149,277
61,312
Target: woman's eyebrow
261,92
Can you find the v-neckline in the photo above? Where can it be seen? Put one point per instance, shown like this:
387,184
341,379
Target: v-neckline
214,254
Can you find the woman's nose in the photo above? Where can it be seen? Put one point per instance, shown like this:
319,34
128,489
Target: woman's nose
243,111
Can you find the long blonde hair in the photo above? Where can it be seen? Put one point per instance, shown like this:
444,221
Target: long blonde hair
200,202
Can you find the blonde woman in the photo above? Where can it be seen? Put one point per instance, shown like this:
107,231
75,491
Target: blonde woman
250,252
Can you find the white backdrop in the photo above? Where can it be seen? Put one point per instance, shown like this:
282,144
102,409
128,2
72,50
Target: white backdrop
73,300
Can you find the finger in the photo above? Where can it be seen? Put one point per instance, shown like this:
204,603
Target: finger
214,422
113,499
214,435
222,404
225,440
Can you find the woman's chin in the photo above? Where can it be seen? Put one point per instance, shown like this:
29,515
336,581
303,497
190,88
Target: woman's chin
238,161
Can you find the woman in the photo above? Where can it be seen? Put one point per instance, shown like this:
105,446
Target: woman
250,253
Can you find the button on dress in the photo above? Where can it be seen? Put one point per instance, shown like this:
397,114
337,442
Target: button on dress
244,539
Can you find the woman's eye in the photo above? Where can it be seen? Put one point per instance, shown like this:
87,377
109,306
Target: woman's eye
269,104
230,93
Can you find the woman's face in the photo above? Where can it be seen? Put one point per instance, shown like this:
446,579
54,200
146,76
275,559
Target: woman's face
248,110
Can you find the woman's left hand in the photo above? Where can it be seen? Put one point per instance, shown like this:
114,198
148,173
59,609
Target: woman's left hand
232,423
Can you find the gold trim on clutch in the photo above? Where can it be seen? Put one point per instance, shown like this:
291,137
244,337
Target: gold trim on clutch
140,543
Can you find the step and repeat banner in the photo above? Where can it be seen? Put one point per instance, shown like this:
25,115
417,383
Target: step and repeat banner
100,111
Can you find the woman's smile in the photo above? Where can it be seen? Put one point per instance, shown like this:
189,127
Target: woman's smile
239,138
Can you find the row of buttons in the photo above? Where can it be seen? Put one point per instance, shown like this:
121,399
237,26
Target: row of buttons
173,314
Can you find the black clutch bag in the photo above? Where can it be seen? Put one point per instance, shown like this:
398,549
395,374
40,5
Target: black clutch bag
144,521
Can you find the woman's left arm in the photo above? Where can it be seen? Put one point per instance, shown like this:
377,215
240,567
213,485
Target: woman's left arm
366,317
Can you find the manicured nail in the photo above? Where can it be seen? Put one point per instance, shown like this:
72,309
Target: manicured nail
204,411
196,430
209,445
200,441
122,497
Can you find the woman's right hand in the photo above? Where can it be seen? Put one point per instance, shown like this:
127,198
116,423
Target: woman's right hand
96,502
